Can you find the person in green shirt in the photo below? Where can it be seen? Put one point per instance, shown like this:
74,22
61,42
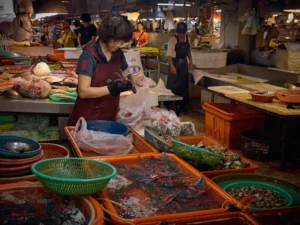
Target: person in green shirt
69,37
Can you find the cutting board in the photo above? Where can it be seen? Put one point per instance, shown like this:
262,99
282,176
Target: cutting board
227,89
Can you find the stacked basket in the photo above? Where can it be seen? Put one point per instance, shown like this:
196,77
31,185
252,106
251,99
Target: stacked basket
18,154
7,122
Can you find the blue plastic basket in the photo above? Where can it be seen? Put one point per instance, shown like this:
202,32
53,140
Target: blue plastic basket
107,127
7,138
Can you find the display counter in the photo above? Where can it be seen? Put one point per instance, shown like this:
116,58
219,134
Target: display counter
49,107
59,109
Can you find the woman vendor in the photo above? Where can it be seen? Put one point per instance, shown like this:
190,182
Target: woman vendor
99,70
140,38
178,78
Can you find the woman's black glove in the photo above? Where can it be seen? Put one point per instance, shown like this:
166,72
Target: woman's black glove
118,86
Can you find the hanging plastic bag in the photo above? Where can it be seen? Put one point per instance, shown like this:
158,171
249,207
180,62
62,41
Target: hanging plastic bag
135,108
133,58
169,22
101,142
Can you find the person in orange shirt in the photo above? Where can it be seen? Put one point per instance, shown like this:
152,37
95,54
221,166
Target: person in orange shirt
140,38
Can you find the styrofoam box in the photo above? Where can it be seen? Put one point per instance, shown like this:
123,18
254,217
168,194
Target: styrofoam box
73,54
288,60
207,59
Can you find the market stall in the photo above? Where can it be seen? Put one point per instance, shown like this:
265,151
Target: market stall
148,164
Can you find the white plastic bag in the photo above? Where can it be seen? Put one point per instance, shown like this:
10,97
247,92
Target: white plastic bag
101,142
135,108
146,82
133,58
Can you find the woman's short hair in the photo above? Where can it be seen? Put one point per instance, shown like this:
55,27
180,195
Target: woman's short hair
115,27
140,23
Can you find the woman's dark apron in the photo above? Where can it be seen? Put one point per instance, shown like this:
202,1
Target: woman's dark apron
103,108
179,83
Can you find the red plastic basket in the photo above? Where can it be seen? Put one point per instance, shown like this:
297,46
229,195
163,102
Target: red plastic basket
217,193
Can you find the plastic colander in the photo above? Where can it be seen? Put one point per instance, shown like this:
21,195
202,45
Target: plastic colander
73,176
195,154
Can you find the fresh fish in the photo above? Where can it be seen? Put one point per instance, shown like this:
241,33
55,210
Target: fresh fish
12,94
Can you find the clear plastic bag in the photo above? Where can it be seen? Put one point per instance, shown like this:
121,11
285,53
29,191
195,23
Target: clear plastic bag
135,108
171,116
159,125
156,114
187,129
146,82
101,142
174,129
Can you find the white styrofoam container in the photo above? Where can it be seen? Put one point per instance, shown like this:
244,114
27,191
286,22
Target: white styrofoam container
288,60
73,54
207,59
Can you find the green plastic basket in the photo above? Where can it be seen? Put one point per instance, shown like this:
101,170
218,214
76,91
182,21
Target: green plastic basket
195,154
283,193
73,176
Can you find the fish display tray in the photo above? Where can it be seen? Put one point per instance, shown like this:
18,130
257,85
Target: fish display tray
236,218
140,145
217,193
194,140
33,198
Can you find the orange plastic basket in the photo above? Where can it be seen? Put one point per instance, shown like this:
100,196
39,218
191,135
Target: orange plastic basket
216,192
140,145
194,140
99,214
50,151
236,218
225,122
